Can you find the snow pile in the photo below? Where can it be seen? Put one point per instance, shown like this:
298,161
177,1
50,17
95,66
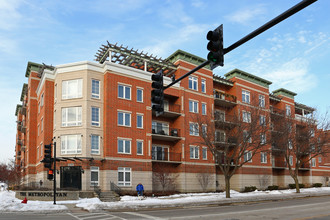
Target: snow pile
8,202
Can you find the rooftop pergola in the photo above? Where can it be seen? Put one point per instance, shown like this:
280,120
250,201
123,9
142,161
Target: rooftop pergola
134,58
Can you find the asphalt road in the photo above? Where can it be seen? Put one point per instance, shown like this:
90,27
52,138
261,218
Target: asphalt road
316,208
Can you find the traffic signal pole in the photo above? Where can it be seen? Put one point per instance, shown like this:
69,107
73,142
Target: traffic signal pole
54,172
303,4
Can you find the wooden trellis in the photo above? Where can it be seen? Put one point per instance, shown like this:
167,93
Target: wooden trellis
134,58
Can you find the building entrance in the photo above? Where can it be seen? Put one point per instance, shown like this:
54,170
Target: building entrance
71,177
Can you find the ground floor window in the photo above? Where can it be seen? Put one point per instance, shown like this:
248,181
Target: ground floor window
94,176
124,176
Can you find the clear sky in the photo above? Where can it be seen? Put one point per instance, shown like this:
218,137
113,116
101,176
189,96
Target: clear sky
294,54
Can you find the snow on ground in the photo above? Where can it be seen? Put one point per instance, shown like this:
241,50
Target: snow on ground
8,202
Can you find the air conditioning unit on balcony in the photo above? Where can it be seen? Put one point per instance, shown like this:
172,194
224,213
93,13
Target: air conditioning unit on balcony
174,132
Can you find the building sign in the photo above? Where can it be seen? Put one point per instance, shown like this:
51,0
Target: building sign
47,195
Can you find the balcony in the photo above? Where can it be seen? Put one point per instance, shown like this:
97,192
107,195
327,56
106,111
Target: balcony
165,133
224,121
19,142
305,166
279,163
23,129
23,110
164,156
221,141
224,99
276,111
23,148
170,111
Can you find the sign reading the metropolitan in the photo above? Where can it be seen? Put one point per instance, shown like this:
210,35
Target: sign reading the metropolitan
47,195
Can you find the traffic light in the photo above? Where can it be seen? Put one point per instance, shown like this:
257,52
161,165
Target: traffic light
50,174
48,156
215,46
157,94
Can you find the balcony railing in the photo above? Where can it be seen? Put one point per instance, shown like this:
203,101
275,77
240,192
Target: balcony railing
224,99
19,142
276,111
279,163
165,133
170,111
224,121
163,156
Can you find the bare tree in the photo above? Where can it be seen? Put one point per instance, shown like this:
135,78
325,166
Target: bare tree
299,141
9,173
204,180
235,138
163,175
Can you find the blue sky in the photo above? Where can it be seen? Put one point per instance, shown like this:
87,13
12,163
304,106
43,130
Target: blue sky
294,54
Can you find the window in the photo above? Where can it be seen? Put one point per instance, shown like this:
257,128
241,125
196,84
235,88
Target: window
194,152
124,119
193,129
246,117
203,108
204,152
220,136
124,176
139,95
263,156
124,146
71,144
203,85
124,92
291,160
94,176
248,156
262,120
262,101
290,144
71,116
95,144
247,137
288,110
55,92
193,82
42,100
139,121
139,147
263,138
42,125
193,106
72,89
54,122
160,128
204,129
246,96
95,88
95,116
313,162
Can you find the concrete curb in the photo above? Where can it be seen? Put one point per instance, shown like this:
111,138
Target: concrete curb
220,202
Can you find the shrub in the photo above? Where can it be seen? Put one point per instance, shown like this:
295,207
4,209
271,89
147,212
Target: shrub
250,188
293,186
273,187
317,184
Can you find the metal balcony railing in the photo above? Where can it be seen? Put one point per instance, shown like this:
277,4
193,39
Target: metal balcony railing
163,130
277,111
166,156
224,99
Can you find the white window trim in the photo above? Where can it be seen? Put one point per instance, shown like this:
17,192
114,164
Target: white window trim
78,94
194,81
137,147
124,118
195,130
247,158
203,82
246,94
77,150
97,170
138,88
98,122
204,104
98,151
262,104
193,106
204,148
194,152
96,95
265,157
124,182
130,145
78,110
248,116
139,114
124,91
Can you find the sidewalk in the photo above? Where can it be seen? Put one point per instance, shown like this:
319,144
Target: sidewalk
197,200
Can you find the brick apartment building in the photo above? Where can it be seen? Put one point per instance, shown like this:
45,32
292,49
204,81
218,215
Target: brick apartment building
100,116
